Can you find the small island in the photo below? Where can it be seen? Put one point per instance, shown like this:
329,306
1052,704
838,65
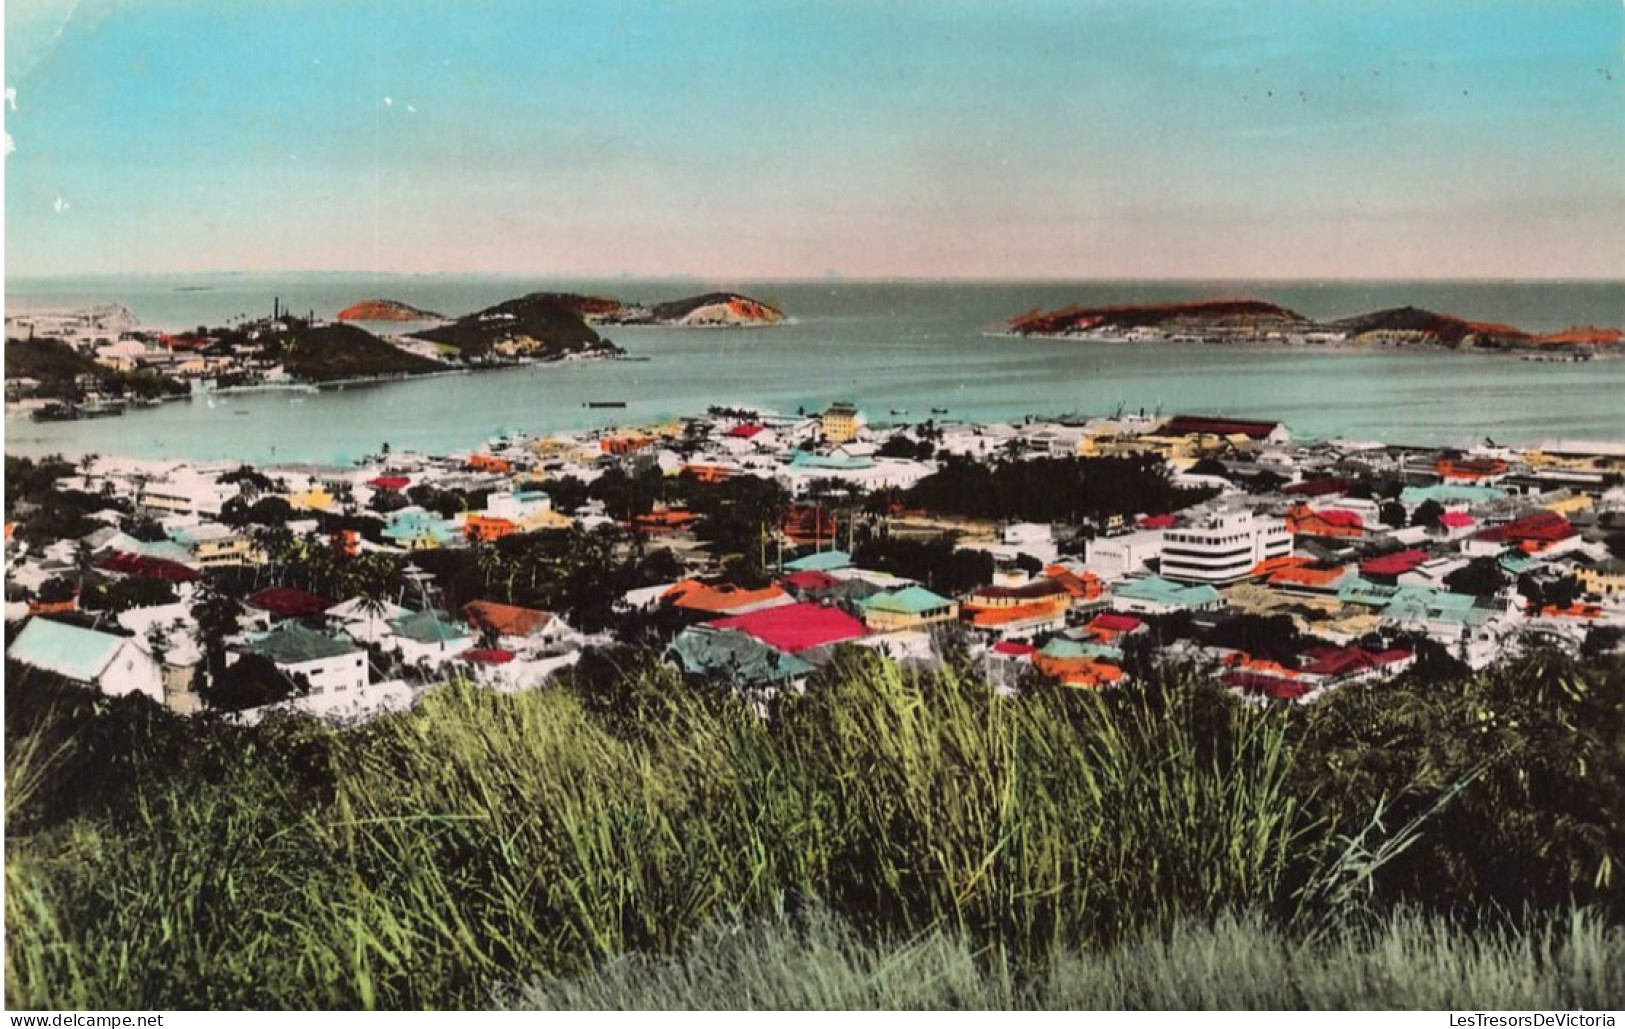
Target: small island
1244,321
378,310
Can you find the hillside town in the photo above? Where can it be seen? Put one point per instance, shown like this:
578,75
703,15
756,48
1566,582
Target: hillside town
748,549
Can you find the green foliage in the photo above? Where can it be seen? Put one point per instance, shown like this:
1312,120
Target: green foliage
252,681
1068,490
483,840
1482,576
813,960
943,567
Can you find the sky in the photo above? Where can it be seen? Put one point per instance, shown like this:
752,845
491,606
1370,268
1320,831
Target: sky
759,139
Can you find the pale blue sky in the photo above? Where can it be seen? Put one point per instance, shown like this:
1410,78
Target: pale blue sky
764,139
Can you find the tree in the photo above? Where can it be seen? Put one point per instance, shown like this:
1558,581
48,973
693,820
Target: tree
1482,577
252,681
1428,513
1392,514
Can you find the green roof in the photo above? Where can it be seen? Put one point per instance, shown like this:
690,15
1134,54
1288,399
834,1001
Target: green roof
1420,603
1063,648
429,627
1363,591
69,651
912,600
734,655
821,561
836,464
1157,590
291,643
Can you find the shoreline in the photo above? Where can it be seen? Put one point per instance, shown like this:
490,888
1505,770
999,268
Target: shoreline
1599,353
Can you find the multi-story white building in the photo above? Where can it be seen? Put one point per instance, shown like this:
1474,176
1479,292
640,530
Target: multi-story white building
1116,557
1223,547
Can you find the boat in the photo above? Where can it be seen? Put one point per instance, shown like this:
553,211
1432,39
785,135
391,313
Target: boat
55,413
899,411
101,410
939,410
604,403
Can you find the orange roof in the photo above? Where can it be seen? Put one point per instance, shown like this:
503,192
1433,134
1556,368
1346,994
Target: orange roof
505,619
1271,565
1246,662
1575,610
693,595
1085,586
987,617
1078,671
1303,575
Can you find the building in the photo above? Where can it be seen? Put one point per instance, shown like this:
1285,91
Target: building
1117,557
330,665
1154,595
913,607
115,665
1223,547
839,423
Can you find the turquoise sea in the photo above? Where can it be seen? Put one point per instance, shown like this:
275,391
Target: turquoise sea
889,347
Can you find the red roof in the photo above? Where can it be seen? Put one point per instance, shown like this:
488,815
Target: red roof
1112,622
394,482
1397,563
1194,425
1162,521
488,657
505,619
1318,487
810,580
1272,686
149,568
289,602
796,627
1345,519
744,431
1010,648
1335,661
1543,526
1456,520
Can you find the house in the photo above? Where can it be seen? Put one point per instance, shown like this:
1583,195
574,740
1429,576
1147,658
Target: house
735,656
115,665
517,628
364,621
796,627
910,608
1155,595
329,664
430,636
1225,428
1016,621
174,630
1302,520
820,561
699,597
281,602
1604,579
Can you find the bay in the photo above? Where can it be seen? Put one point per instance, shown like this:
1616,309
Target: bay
905,347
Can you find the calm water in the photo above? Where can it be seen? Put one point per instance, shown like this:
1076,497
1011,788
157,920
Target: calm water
904,347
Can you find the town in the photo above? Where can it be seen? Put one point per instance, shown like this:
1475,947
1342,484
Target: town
748,549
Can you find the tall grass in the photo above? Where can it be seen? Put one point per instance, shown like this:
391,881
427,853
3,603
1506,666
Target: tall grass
483,839
819,962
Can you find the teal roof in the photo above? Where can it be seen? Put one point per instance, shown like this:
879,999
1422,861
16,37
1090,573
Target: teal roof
805,460
734,655
1364,591
1420,603
912,600
1449,493
417,524
78,654
822,561
291,643
162,550
1063,648
430,627
1517,565
1157,590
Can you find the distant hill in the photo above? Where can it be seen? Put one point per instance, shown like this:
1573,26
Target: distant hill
716,309
547,326
329,352
385,311
1242,316
1414,324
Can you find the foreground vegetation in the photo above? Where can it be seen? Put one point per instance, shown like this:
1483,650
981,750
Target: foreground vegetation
816,961
449,855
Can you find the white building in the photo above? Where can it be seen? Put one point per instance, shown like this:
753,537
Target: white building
1223,547
115,665
1117,557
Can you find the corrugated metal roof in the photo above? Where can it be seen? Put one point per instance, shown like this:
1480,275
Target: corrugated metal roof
78,654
